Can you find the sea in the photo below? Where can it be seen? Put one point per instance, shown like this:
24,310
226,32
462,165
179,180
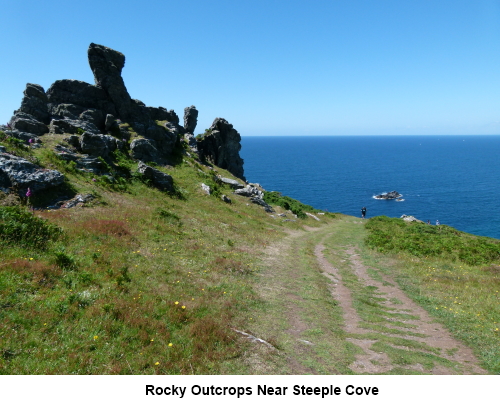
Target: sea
451,179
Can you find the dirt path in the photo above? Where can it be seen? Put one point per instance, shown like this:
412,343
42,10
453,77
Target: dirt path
430,332
324,311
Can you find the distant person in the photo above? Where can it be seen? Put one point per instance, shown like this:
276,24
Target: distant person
363,212
437,222
428,222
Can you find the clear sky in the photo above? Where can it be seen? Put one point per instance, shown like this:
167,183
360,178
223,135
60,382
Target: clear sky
350,67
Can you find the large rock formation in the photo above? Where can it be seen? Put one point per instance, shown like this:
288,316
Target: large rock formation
221,146
106,110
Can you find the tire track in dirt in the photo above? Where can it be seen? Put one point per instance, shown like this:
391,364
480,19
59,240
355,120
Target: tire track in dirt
430,332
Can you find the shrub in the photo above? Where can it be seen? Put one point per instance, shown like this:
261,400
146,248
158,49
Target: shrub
394,234
20,226
288,203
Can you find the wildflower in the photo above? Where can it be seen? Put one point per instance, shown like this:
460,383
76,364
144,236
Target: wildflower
8,126
30,140
31,258
183,307
170,344
28,193
176,302
94,180
157,363
96,337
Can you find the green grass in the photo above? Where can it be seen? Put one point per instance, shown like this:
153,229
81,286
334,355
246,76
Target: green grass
140,282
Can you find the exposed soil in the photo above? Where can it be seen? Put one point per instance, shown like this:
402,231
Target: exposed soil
433,333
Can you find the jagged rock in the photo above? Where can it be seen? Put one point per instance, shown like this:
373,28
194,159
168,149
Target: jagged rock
34,103
261,202
68,126
23,136
190,119
221,146
80,94
21,174
107,65
225,198
110,122
164,140
233,183
97,145
389,196
250,191
70,111
162,114
205,188
143,149
161,180
93,116
3,150
23,122
191,141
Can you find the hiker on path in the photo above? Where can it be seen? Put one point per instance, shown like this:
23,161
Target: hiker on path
437,222
363,212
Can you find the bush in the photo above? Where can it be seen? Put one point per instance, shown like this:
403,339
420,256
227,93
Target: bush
288,203
22,227
394,234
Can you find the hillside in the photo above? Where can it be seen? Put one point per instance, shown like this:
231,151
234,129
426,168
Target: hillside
131,246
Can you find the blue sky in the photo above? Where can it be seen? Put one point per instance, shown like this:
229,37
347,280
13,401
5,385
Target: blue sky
352,67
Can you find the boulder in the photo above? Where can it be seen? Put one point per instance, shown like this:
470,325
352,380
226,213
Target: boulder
34,103
250,191
23,122
143,149
205,188
233,183
190,119
78,201
262,203
221,146
225,198
191,141
64,110
107,65
411,218
159,179
97,145
21,174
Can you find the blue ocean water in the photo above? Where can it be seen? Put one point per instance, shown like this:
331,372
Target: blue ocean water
453,179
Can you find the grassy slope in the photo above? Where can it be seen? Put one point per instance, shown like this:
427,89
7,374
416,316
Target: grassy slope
144,282
141,282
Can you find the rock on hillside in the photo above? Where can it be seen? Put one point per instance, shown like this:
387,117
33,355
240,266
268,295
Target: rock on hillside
221,146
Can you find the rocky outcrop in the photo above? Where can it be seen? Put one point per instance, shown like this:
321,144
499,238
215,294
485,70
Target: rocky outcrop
34,103
392,195
21,174
221,146
190,119
143,149
22,122
411,218
159,179
250,191
230,182
107,65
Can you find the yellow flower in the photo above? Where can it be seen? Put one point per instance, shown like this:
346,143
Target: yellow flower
96,337
183,307
157,363
170,344
176,302
152,340
31,258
